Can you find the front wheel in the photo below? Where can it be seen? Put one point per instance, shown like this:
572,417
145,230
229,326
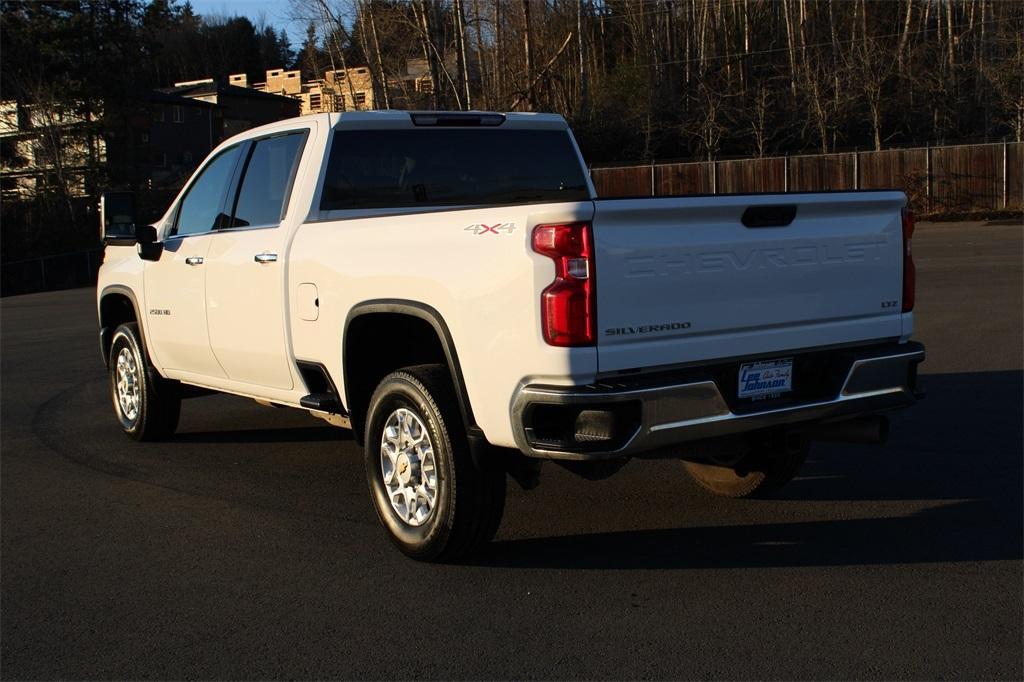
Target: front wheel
761,471
146,405
434,501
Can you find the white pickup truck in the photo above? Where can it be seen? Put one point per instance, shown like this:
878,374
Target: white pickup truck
450,287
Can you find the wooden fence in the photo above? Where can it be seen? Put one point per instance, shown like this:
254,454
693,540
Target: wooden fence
961,179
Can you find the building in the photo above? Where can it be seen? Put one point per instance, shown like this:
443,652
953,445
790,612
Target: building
173,129
237,108
338,90
343,89
56,147
48,148
168,140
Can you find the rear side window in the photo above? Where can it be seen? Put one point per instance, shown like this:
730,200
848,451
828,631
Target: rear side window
449,167
266,180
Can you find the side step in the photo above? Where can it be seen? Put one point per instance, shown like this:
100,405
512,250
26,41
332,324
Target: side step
323,395
323,402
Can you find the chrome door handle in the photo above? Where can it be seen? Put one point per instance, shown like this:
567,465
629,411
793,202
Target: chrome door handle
265,257
194,260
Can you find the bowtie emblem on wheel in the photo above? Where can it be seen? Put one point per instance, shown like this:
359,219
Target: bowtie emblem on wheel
496,228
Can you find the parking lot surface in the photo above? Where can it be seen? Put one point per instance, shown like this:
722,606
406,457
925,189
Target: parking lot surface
246,547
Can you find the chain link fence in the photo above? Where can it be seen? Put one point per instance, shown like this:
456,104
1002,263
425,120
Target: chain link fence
50,273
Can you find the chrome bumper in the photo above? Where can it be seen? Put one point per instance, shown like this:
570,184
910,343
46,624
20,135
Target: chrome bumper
678,413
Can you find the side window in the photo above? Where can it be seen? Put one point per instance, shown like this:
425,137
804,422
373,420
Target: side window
201,208
266,181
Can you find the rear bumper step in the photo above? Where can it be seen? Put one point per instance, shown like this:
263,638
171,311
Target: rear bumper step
643,419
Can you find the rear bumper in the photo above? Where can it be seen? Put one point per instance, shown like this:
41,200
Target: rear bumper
653,417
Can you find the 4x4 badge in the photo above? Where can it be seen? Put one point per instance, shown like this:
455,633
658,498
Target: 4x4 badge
497,228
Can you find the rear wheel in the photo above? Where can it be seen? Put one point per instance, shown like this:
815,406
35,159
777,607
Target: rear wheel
435,503
147,405
761,471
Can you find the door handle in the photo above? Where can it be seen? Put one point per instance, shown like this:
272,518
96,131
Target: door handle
194,260
265,258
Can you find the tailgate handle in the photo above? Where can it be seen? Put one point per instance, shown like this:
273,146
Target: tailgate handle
769,216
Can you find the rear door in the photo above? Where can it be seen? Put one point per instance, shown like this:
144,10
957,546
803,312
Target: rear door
682,280
245,279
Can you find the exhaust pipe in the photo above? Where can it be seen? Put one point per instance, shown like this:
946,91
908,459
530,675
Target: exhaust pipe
873,429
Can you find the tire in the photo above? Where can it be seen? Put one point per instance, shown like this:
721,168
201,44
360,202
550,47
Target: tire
147,405
414,429
758,473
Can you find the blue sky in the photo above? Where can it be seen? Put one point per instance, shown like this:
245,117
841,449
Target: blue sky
274,12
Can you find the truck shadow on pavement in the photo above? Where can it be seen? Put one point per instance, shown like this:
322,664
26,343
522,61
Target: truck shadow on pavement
950,479
958,532
301,434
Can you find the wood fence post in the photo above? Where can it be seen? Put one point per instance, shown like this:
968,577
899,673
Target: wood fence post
652,177
928,177
856,169
714,177
785,173
1005,168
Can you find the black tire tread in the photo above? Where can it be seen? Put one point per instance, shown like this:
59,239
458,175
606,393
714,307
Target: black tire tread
161,398
478,495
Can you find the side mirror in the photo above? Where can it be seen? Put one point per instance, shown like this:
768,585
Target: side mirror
146,243
117,218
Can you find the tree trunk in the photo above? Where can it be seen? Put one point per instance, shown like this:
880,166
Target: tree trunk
460,52
904,37
485,89
582,105
499,90
949,36
336,26
528,52
789,47
422,12
386,98
377,84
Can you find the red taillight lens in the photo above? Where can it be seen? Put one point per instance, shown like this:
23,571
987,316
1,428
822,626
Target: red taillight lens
909,272
567,310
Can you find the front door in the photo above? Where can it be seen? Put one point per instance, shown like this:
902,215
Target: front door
175,285
245,276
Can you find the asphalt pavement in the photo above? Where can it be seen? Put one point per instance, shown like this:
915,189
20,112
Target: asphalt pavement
246,547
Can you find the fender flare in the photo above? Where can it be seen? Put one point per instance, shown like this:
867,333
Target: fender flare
105,332
436,321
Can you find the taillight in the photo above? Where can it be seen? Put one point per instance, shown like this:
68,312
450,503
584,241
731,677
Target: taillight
567,309
909,272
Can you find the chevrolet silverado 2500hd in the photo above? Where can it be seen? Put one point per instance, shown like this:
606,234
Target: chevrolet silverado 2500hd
450,287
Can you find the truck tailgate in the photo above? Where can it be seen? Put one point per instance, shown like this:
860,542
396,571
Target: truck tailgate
683,280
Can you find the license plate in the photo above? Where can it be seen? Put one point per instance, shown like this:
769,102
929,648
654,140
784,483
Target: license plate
765,379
